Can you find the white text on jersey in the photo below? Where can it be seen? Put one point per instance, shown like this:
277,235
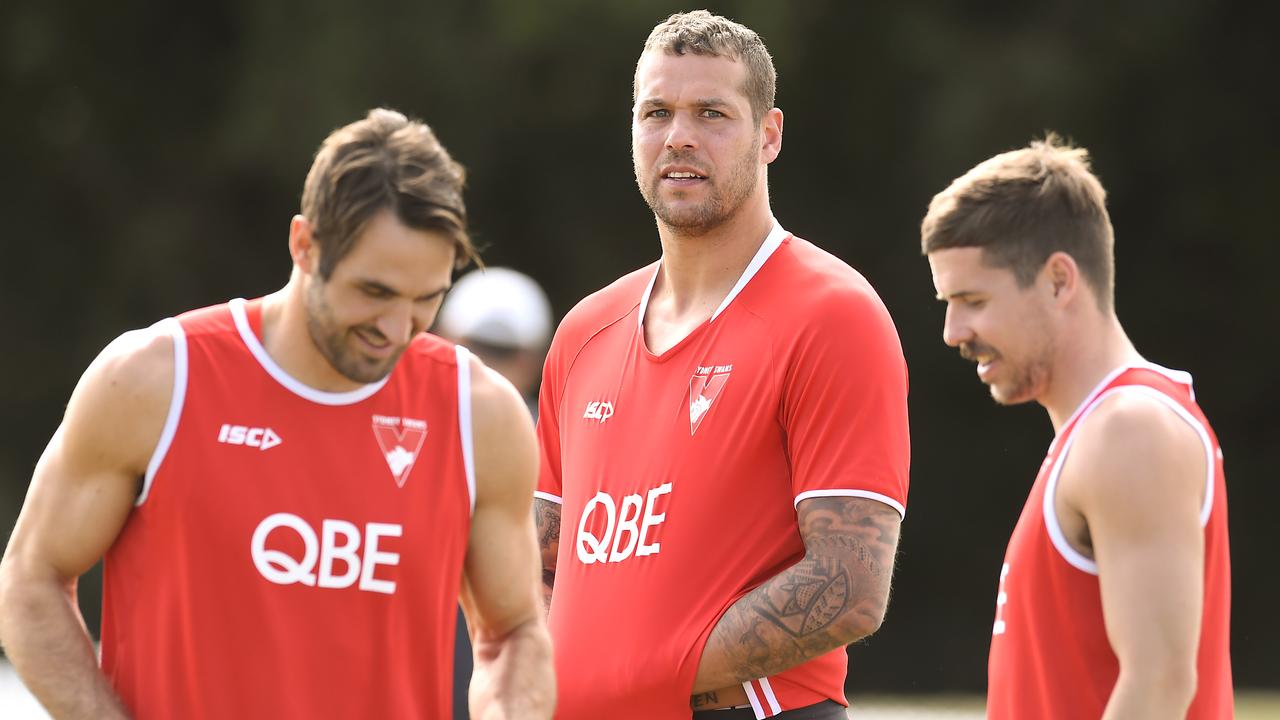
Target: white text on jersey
599,410
621,522
261,438
281,568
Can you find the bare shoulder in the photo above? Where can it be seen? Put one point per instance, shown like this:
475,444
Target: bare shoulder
1133,452
120,404
503,439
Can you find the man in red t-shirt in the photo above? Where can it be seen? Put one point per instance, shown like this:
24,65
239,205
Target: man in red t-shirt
293,492
724,432
1114,597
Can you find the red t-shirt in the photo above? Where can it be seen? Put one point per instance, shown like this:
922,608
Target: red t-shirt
679,473
1050,657
293,553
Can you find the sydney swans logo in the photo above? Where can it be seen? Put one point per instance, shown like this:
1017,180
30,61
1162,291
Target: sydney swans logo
400,440
704,388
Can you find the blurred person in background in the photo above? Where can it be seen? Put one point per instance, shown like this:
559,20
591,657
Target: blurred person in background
291,492
1114,597
504,317
724,432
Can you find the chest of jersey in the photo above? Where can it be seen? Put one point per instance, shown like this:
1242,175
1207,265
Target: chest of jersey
668,443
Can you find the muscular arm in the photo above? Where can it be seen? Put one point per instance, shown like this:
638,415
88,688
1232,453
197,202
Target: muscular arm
513,676
80,496
546,515
1137,475
835,595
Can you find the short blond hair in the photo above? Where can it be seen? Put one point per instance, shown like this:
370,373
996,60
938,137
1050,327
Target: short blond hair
1022,206
701,33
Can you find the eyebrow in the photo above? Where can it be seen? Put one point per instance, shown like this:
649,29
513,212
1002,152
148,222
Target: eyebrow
961,295
711,102
388,290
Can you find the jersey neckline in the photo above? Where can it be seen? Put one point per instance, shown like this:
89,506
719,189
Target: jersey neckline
240,314
1181,377
771,243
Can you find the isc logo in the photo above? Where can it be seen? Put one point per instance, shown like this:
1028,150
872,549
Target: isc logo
339,540
261,438
624,531
599,410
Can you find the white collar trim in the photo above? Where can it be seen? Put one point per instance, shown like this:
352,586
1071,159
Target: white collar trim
291,383
771,243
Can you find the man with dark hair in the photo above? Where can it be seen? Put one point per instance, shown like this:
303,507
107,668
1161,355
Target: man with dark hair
1115,593
724,432
292,492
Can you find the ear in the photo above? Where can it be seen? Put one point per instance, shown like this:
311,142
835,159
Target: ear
771,127
302,245
1061,276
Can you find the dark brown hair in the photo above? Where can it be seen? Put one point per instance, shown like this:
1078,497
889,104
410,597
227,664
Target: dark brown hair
385,160
1021,207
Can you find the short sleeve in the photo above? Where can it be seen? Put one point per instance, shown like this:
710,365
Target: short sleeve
549,487
844,403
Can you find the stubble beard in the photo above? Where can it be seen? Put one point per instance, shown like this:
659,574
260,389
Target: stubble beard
336,343
722,203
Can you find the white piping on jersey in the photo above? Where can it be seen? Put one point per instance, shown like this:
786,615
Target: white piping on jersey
771,243
288,381
548,497
769,696
1056,535
756,707
176,401
902,511
464,421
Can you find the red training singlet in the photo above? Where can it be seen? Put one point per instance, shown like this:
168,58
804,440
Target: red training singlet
1050,657
293,553
679,473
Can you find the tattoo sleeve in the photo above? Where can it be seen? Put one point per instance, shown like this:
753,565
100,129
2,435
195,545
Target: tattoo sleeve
835,595
546,516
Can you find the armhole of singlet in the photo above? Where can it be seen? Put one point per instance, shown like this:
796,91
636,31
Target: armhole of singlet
1058,537
176,400
464,421
548,497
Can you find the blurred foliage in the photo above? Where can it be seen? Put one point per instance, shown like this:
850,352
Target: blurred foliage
155,152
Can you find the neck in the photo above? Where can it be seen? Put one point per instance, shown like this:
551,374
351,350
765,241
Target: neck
1079,366
288,341
698,271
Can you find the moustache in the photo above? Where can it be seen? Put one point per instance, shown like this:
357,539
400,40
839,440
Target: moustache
971,350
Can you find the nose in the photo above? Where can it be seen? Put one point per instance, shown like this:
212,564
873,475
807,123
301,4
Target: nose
955,329
681,133
397,323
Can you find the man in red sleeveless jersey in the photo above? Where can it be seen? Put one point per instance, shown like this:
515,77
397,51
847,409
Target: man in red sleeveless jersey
1115,593
292,492
724,432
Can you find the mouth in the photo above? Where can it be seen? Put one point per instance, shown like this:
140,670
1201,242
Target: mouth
374,342
681,176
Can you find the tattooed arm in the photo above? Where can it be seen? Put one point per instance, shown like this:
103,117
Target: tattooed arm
835,595
546,514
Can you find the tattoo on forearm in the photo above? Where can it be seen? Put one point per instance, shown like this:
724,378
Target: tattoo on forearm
546,515
703,700
844,576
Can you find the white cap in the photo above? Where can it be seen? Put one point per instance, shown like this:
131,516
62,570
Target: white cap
498,306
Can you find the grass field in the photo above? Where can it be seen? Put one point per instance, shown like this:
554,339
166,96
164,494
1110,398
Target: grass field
17,704
1250,705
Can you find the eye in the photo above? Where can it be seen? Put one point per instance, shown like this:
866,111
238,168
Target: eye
712,113
658,113
375,292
